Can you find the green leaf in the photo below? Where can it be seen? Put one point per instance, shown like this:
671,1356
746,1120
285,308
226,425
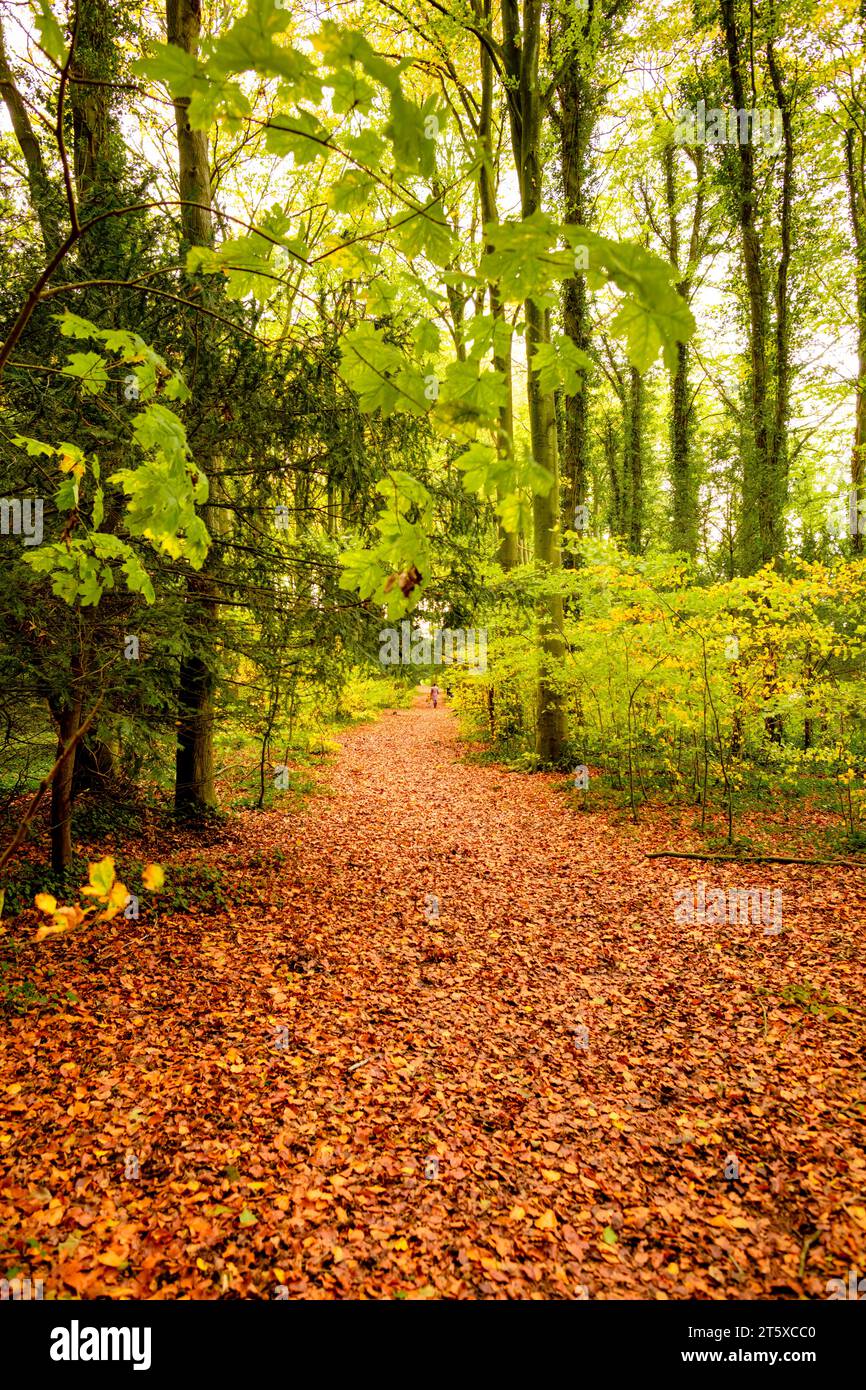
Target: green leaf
73,326
156,427
50,33
137,579
34,447
515,513
168,63
476,465
299,134
559,364
89,368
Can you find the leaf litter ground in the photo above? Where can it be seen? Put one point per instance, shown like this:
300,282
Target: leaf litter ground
317,1092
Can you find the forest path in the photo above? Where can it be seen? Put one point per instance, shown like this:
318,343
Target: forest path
283,1071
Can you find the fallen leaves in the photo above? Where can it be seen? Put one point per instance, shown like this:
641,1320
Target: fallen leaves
268,1080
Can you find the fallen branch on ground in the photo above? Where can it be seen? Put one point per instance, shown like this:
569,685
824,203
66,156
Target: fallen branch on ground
754,858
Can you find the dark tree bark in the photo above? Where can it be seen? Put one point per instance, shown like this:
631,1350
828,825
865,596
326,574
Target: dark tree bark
765,447
194,790
634,459
520,51
580,102
68,718
684,484
508,540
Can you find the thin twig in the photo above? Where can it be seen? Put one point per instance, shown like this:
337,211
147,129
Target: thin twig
753,858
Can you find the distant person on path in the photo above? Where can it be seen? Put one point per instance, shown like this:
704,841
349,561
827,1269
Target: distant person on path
434,695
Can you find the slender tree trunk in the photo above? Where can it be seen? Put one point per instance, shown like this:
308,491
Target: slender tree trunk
520,48
194,761
684,504
508,540
45,196
855,156
634,463
612,458
579,103
765,448
68,717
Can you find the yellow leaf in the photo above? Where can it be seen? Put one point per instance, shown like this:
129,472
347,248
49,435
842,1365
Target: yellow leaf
101,878
14,1089
48,931
119,894
401,1244
200,1264
516,1214
547,1221
550,1175
722,1221
153,877
112,1259
45,902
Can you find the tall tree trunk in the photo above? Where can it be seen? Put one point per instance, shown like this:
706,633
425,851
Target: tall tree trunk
508,540
855,157
684,501
579,103
778,462
765,448
194,789
613,462
521,45
634,462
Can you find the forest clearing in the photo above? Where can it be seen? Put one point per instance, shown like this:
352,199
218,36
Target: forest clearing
433,655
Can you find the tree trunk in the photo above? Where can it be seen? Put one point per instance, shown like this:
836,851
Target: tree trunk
508,540
61,792
579,103
68,717
855,153
194,790
44,193
520,48
684,502
764,450
550,719
634,462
